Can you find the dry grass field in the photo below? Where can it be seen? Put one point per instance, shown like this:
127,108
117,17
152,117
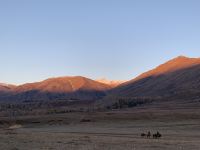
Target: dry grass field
113,130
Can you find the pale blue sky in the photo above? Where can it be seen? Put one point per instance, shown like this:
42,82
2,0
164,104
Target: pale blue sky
116,39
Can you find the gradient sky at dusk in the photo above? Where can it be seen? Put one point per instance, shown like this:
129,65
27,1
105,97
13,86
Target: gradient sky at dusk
116,39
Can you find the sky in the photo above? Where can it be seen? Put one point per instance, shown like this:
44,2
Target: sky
115,39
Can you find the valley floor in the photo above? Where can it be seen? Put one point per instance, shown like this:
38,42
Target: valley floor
104,131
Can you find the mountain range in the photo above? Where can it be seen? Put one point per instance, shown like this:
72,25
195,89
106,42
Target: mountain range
177,78
61,88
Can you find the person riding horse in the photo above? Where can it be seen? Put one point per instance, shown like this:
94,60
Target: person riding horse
149,134
157,135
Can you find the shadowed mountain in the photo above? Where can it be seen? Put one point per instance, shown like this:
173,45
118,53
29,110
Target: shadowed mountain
63,88
179,77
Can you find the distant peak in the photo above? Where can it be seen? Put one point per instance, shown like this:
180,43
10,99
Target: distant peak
112,83
172,65
178,63
66,77
182,57
185,57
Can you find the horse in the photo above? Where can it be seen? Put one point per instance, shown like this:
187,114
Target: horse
143,135
148,135
157,135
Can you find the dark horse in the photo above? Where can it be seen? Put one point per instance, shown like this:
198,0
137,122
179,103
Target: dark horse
157,135
143,135
148,135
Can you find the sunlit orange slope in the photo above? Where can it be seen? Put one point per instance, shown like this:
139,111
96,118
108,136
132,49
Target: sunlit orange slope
175,77
64,84
175,64
61,88
6,87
